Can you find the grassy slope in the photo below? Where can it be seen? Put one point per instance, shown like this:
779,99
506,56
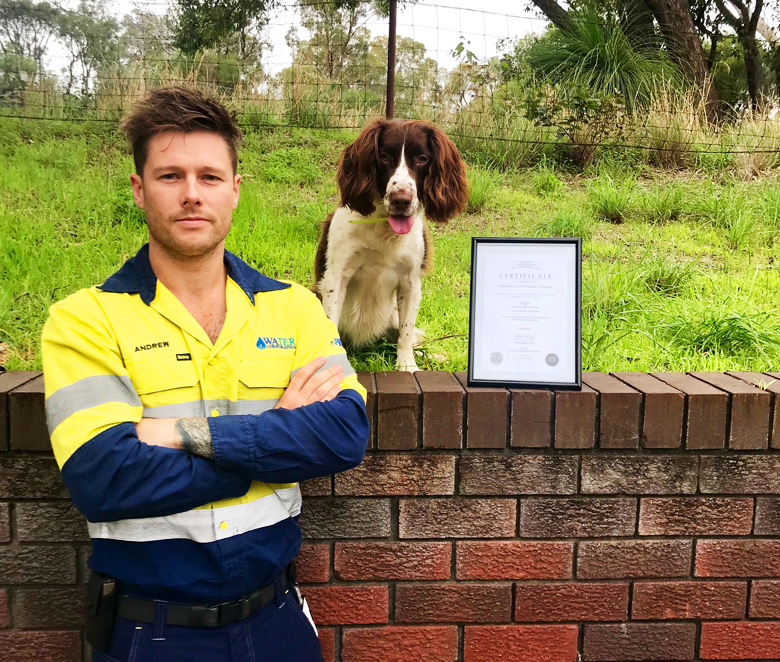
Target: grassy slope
699,292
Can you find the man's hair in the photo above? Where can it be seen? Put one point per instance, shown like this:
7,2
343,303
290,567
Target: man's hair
182,110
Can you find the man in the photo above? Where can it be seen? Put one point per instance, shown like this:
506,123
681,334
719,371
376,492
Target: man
186,397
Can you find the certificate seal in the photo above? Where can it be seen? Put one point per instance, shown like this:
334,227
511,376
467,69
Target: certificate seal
551,359
496,358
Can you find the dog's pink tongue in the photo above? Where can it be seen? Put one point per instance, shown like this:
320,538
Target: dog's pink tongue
401,224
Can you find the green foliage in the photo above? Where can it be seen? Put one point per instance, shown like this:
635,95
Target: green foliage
663,203
290,166
665,276
546,184
482,185
568,222
598,56
610,201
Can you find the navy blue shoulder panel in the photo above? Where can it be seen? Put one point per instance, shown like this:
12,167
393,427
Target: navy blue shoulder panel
136,276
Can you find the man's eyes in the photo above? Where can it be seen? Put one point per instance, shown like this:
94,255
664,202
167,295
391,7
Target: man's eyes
170,176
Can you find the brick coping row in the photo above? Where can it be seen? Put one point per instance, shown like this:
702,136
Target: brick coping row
430,410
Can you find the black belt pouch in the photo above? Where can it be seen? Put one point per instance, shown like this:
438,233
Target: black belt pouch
102,598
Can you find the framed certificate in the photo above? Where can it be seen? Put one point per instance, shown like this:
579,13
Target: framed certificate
524,315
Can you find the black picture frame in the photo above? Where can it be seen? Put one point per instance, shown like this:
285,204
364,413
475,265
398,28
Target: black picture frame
575,385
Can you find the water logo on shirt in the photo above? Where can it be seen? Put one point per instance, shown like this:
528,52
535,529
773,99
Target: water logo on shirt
275,343
336,342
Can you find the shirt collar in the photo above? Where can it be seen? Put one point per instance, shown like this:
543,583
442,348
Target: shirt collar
136,277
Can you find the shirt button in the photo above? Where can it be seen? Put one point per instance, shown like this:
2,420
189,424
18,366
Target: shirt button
223,526
215,413
213,362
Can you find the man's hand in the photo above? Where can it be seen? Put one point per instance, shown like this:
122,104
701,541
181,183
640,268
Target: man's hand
307,387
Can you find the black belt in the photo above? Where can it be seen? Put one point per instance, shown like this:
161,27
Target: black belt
224,613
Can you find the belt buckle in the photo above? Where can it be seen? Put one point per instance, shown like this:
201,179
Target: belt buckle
229,612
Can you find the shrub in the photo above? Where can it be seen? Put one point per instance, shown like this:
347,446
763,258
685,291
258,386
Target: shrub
568,222
482,184
609,201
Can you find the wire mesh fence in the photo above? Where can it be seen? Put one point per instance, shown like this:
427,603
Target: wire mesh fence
307,64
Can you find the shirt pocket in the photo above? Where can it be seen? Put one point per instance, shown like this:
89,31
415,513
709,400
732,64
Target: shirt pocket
164,382
267,372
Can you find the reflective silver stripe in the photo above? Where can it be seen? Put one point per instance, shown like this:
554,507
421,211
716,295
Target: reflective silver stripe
330,361
206,408
204,526
87,393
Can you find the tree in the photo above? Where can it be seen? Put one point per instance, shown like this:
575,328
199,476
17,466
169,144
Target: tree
91,38
221,24
744,21
26,28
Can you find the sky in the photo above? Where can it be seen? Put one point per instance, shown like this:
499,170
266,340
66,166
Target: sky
440,24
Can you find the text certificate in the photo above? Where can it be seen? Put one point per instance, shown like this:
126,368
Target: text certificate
525,307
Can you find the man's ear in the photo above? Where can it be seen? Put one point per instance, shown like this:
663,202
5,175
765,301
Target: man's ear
138,190
236,186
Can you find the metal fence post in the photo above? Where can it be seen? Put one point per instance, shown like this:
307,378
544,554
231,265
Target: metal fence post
391,61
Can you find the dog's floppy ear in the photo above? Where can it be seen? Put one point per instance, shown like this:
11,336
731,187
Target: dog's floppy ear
445,190
357,172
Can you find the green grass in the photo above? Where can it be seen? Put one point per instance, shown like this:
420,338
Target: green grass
688,280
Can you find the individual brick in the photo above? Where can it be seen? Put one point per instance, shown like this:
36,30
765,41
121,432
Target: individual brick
397,401
664,408
486,414
705,427
5,522
393,560
639,474
50,608
8,382
750,410
399,474
520,643
366,380
639,641
577,518
48,646
513,559
457,518
767,517
313,563
740,640
327,637
619,410
555,602
511,474
346,518
694,516
657,601
27,417
634,559
453,603
740,474
442,409
4,611
765,599
36,564
400,644
575,418
772,386
345,605
531,422
30,477
50,522
320,486
738,558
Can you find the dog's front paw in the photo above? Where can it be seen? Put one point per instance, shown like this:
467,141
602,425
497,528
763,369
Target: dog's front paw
406,365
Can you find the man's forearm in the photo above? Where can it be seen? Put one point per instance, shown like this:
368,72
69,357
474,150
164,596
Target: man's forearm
187,434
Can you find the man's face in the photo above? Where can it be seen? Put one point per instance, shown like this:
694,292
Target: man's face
188,192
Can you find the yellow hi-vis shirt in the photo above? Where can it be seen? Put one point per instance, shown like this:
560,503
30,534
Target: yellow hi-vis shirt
129,349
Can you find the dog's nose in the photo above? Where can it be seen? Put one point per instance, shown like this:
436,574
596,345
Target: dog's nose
401,199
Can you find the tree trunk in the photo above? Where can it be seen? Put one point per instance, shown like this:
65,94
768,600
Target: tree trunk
753,71
557,14
674,19
637,23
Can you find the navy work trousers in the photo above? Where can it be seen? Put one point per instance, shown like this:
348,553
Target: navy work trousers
279,632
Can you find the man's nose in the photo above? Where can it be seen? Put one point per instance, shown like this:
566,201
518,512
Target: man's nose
191,192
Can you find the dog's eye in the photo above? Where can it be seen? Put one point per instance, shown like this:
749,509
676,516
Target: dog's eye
421,160
384,157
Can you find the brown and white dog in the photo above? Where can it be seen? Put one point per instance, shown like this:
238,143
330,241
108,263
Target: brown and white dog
375,248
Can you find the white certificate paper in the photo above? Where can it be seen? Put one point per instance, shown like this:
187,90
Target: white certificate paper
525,325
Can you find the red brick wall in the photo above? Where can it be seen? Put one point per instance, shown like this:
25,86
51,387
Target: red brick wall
636,520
